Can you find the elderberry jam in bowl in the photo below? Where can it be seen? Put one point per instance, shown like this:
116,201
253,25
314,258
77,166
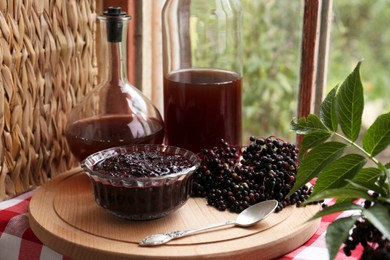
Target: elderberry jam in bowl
141,182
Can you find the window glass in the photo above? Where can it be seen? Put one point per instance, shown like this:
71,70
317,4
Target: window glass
360,31
272,32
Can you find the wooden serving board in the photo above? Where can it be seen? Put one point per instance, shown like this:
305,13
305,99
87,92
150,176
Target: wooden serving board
64,216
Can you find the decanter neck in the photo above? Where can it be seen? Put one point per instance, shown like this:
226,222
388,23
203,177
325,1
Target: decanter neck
117,66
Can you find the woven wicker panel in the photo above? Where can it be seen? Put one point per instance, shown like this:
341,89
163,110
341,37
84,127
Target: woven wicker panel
48,63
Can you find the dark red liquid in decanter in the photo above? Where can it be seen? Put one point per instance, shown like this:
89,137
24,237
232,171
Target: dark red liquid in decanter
87,136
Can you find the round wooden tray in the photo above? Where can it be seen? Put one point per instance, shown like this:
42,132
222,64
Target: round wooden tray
65,217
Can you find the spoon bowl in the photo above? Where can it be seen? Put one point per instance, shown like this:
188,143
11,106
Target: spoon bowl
249,217
255,213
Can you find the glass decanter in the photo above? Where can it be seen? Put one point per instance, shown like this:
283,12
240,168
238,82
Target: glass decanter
115,113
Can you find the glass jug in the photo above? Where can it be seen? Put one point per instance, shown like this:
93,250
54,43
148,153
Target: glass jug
115,112
202,69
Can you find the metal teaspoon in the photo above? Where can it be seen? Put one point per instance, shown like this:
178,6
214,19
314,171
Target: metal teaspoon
246,218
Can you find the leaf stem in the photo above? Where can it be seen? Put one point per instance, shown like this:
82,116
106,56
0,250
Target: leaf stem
360,149
378,163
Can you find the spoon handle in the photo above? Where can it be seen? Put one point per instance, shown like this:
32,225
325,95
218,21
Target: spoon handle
159,239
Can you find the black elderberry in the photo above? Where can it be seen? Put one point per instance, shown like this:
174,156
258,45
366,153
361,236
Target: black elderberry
375,245
142,164
265,169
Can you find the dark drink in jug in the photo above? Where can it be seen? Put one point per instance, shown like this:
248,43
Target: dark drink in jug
202,106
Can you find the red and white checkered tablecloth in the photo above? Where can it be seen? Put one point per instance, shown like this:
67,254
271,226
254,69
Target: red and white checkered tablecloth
17,241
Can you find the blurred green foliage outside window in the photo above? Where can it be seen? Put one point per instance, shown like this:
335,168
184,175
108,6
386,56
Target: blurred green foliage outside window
272,32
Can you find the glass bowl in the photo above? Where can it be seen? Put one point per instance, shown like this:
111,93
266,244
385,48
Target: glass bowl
146,195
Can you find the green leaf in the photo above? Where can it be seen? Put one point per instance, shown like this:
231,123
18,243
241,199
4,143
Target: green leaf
367,178
386,200
350,104
384,180
317,159
335,174
379,216
343,200
345,206
388,180
311,140
369,174
336,234
366,186
328,110
344,193
377,136
306,125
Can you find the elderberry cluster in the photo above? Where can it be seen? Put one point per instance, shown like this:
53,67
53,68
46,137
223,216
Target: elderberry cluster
234,178
375,245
